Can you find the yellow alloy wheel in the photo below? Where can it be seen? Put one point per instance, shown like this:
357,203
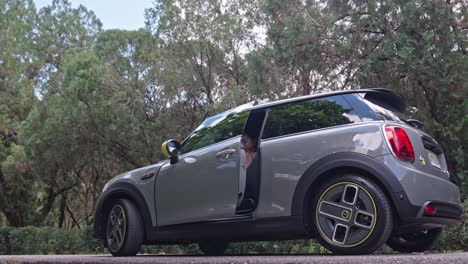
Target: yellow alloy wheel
346,214
116,228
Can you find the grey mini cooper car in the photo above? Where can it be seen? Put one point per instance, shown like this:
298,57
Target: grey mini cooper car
340,167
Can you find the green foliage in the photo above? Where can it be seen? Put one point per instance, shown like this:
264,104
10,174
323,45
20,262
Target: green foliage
241,248
60,28
32,46
17,70
277,247
47,240
24,240
455,237
79,105
201,49
5,246
417,48
168,250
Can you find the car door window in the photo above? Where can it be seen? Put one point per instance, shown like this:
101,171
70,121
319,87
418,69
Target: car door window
215,129
308,115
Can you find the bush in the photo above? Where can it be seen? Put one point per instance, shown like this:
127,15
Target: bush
5,248
277,247
75,243
168,249
24,240
45,238
89,243
455,237
48,240
260,247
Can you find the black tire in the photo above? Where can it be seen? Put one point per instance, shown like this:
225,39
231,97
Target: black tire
213,248
124,229
351,215
414,242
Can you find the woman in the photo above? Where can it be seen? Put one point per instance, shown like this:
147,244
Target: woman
250,147
251,168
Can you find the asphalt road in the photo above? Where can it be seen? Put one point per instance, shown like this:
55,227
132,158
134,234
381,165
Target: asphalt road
246,259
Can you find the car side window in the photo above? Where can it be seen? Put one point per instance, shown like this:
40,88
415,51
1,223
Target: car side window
362,109
215,129
308,115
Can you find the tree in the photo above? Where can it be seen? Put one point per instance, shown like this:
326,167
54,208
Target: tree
18,67
32,46
417,48
132,62
61,27
202,45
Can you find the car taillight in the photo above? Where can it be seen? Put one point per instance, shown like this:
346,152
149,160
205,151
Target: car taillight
399,142
430,210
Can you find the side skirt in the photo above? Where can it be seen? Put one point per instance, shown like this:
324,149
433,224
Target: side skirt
233,230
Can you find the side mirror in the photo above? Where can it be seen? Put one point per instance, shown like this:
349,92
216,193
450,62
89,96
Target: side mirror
171,149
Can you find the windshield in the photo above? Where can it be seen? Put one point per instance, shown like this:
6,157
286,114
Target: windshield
217,128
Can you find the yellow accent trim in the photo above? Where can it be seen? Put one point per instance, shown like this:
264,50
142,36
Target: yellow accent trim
124,225
164,149
317,209
423,160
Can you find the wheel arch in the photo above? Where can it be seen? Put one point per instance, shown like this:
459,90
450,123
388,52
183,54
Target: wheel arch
344,162
119,190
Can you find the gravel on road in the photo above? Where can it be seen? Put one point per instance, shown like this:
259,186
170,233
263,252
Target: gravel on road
461,258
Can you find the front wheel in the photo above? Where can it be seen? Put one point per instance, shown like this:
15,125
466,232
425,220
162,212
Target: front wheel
351,215
414,242
213,248
124,232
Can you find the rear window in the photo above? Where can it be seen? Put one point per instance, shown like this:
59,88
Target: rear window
382,110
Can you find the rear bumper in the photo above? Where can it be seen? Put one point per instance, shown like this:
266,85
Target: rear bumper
441,210
413,218
444,212
420,189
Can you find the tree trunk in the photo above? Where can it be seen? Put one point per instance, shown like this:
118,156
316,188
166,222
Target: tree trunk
63,203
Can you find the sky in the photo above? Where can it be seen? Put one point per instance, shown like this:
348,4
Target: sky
114,14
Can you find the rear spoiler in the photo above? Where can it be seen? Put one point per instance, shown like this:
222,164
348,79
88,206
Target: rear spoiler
386,98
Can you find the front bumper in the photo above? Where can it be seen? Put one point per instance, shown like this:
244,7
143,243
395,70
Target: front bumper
99,220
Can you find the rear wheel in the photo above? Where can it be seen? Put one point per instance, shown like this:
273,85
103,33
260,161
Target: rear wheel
351,215
414,242
213,248
124,230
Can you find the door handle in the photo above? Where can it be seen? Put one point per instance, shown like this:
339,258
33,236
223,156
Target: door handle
225,153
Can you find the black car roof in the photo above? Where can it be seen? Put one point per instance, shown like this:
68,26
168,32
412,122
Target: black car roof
389,97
